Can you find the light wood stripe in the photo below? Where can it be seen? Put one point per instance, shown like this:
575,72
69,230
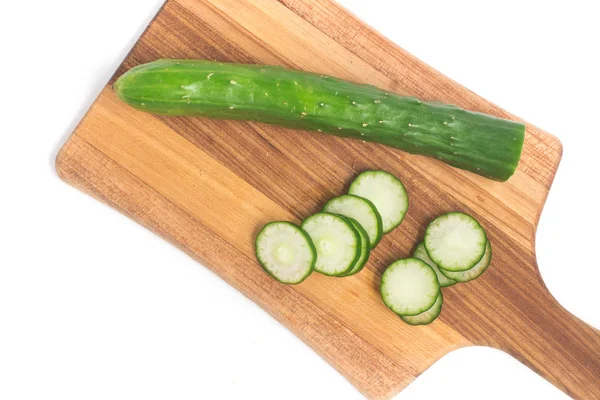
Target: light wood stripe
234,211
85,167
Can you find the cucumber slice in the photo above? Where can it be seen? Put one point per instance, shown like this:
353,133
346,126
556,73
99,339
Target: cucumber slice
409,286
337,243
476,271
455,241
386,192
365,249
360,209
427,317
285,252
421,254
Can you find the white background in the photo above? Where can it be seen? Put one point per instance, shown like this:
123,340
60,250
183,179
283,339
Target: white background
92,306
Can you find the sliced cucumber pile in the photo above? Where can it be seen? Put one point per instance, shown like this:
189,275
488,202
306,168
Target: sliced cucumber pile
409,287
386,192
360,209
428,316
455,241
349,226
476,271
285,252
421,254
337,242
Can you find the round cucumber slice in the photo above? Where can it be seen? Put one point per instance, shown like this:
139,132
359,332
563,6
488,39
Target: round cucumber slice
421,254
386,192
476,271
360,209
336,240
427,317
455,241
409,286
365,249
285,252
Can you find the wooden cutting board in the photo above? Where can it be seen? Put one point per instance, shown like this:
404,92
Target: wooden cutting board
208,186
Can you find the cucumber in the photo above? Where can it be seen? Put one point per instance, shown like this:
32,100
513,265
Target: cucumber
360,209
455,241
365,249
421,254
476,271
480,143
285,252
427,317
386,192
337,242
409,287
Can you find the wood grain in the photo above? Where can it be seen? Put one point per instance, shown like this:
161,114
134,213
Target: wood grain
208,186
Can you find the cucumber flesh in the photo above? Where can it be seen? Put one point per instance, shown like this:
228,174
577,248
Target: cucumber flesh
480,143
427,317
337,242
455,241
386,192
409,287
361,210
365,249
421,254
476,271
285,252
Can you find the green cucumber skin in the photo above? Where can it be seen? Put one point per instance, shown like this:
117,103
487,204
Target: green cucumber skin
413,320
358,245
375,212
363,236
355,234
480,143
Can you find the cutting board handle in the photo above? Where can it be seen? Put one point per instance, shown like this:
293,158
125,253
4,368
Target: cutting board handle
553,342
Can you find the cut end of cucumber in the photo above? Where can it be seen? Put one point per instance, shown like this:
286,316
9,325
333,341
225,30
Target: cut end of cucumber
386,192
455,241
427,317
361,210
285,252
421,254
337,243
476,271
409,287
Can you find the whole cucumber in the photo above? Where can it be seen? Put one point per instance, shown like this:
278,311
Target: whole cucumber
476,142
